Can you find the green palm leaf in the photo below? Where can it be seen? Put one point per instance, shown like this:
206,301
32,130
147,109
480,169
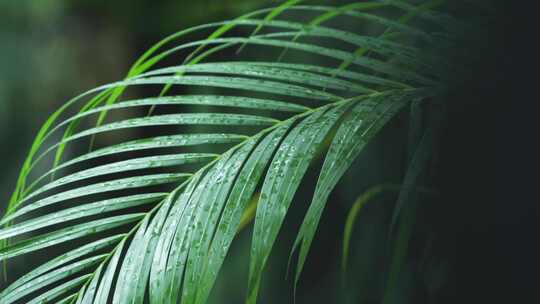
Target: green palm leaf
284,114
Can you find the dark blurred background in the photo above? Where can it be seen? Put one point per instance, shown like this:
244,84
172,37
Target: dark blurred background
54,50
470,243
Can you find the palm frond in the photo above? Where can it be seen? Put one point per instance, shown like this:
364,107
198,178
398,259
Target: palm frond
284,113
